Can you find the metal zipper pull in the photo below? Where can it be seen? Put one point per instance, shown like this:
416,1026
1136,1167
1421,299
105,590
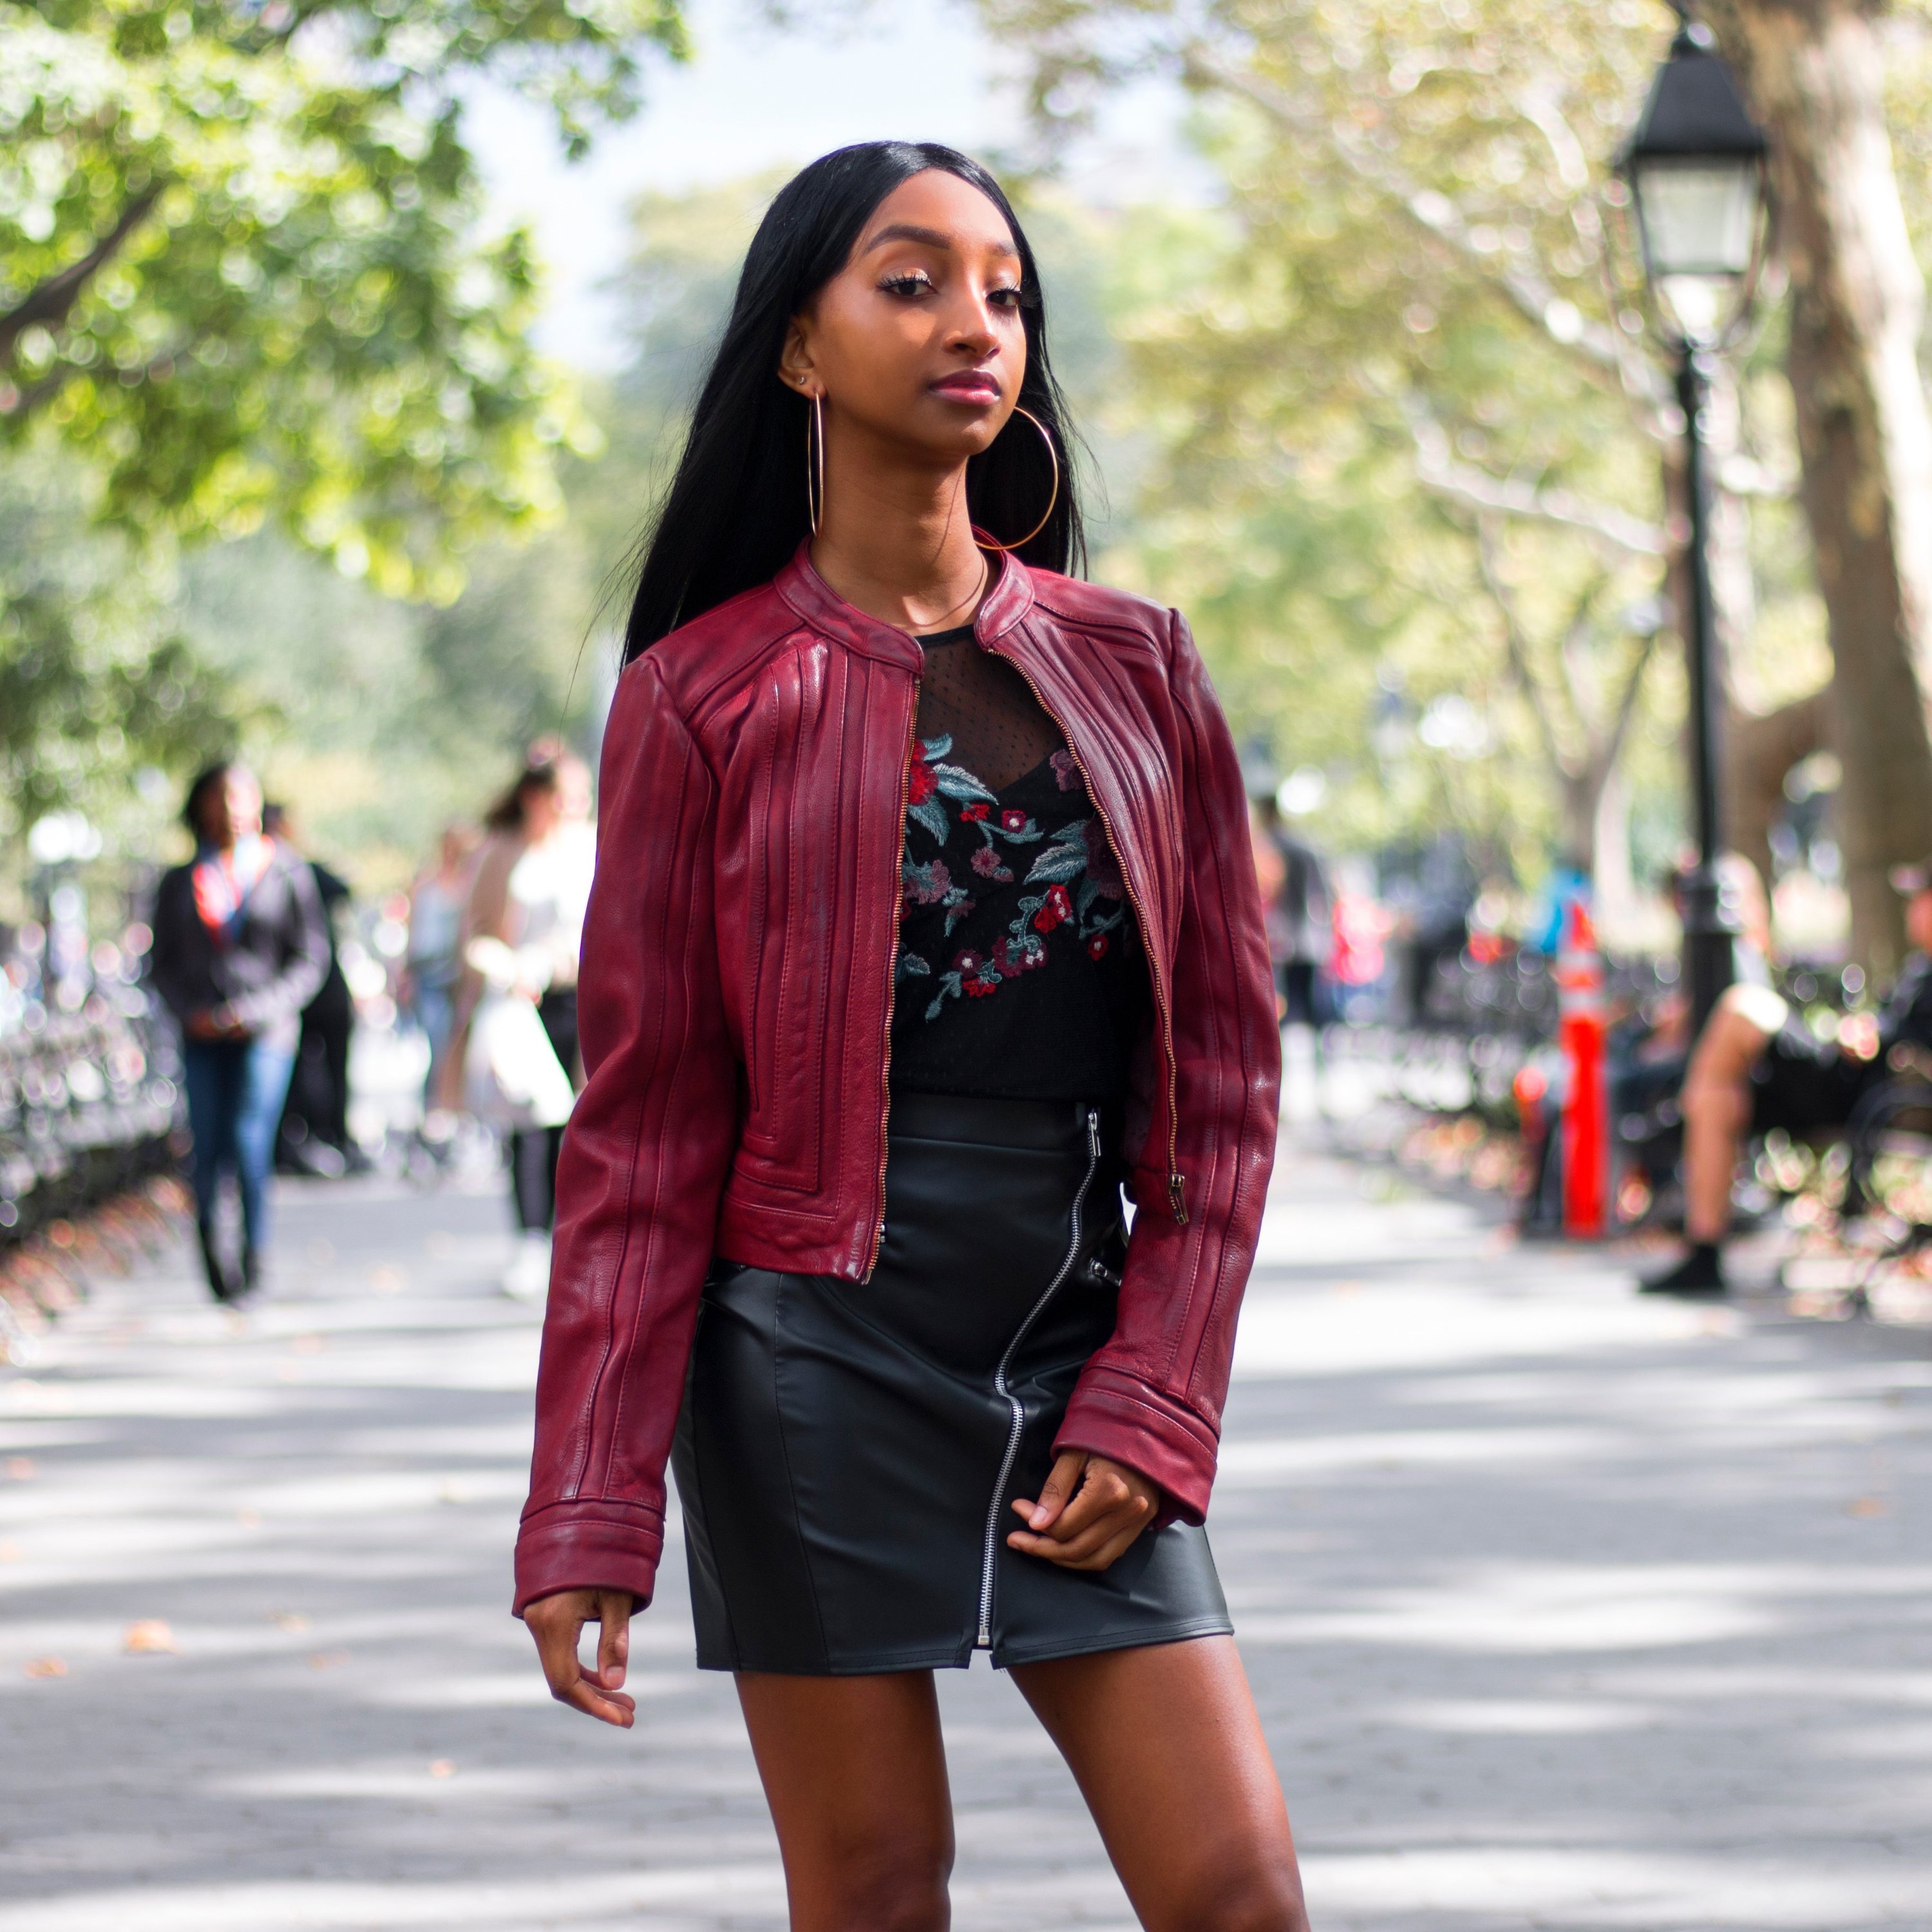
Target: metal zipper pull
1177,1199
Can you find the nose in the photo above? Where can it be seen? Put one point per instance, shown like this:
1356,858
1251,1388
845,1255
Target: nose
972,332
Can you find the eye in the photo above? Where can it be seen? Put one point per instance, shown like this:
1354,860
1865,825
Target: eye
1013,298
914,282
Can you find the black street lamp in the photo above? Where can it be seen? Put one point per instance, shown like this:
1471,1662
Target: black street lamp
1697,168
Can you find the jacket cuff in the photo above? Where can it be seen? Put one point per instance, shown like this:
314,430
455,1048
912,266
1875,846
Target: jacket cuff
1130,1421
592,1544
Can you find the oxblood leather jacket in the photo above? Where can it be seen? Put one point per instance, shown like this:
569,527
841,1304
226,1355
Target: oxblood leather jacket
735,1000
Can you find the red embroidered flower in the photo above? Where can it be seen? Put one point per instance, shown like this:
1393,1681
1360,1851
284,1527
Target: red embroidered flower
978,976
1055,909
1065,772
923,784
1097,946
986,863
972,814
1015,956
1013,821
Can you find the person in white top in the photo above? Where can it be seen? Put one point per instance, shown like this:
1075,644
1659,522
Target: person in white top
522,930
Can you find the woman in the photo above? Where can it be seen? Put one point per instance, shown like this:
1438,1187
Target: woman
240,949
533,882
436,904
924,916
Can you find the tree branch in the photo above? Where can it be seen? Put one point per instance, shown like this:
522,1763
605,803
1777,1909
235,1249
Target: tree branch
1526,289
49,302
1437,469
1516,644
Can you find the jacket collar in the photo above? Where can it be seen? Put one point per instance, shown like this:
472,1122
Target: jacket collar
818,604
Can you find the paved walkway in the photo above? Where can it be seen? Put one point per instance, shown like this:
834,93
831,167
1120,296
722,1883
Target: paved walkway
1564,1610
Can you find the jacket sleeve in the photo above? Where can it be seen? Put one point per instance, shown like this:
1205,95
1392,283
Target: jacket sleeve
645,1159
304,960
1152,1397
168,969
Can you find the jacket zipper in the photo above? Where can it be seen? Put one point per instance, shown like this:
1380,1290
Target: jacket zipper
1018,1424
1177,1199
891,986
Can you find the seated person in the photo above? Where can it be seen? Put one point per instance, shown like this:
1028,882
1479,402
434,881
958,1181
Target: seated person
1757,1066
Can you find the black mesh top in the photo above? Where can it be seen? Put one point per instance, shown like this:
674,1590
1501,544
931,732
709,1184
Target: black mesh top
1020,971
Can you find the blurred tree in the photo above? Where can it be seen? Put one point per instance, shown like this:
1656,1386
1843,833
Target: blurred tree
1423,293
240,281
1815,71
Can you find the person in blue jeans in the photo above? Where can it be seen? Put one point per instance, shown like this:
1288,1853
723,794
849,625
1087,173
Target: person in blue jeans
240,948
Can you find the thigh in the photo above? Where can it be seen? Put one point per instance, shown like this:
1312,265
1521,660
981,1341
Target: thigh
854,1771
1167,1748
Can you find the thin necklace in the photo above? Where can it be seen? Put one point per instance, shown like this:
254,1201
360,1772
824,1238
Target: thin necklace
978,591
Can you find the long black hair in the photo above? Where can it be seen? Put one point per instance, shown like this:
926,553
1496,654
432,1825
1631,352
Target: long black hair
735,509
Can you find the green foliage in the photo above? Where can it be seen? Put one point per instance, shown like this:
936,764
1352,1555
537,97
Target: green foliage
97,681
240,286
1411,448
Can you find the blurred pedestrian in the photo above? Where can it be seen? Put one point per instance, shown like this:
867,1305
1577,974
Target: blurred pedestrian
314,1138
1299,911
240,947
526,907
434,962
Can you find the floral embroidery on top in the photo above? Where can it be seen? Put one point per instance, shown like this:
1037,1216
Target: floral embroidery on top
1080,884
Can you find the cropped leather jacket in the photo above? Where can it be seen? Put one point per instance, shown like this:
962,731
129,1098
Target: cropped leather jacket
735,1000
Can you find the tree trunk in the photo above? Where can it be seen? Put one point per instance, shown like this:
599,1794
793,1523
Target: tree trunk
1810,69
1761,749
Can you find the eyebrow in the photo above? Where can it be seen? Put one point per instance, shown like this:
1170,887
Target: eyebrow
907,231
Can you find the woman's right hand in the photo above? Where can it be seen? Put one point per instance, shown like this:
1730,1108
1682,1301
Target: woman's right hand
557,1622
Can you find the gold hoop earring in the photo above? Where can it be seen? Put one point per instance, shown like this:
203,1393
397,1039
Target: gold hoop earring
980,536
814,462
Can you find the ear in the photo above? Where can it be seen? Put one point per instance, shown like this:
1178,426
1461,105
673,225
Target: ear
795,363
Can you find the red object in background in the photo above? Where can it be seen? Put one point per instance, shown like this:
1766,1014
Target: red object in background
1359,926
1586,1107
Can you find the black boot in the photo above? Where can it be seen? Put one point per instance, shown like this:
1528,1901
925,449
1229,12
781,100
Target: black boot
1700,1272
221,1283
251,1270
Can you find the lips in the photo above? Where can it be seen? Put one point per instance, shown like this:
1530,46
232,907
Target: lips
969,386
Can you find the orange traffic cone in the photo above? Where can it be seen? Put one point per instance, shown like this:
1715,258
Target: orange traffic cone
1586,1108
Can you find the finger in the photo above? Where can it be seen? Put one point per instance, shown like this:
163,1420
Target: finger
1105,1544
1103,1490
614,1641
1060,1486
1120,1524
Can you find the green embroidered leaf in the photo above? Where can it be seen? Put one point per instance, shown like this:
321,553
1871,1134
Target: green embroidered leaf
949,989
930,816
1056,862
956,782
912,967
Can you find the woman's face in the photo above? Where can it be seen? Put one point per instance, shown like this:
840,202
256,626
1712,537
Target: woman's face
232,809
919,338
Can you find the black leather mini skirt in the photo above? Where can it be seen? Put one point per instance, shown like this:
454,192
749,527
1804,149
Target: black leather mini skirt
849,1452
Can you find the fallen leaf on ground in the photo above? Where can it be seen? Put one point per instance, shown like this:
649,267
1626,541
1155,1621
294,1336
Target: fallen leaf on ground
150,1637
288,1620
248,1519
327,1660
21,1469
10,1552
1866,1506
45,1667
442,1767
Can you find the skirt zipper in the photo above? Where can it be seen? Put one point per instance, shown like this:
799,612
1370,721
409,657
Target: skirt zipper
984,1640
1177,1197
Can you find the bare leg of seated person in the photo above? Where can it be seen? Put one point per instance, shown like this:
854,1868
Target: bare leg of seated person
1717,1104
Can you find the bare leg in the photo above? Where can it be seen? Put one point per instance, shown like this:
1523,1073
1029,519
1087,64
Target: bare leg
854,1771
1717,1105
1167,1748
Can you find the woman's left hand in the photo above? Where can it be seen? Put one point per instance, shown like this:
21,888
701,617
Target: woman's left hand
1087,1515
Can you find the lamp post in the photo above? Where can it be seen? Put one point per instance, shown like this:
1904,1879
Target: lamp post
1696,166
